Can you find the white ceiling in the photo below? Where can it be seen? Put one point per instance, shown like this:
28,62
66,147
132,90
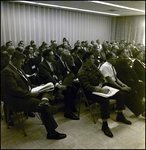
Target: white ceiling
104,8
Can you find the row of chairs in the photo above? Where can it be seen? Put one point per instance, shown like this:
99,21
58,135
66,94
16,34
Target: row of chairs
82,99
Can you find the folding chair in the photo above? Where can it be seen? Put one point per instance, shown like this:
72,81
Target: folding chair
20,121
82,95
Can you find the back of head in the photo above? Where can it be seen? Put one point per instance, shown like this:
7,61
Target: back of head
8,43
120,50
5,58
109,55
17,55
3,48
4,54
86,56
20,49
31,42
10,49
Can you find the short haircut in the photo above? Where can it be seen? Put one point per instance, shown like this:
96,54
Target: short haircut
4,54
81,51
18,55
119,51
86,56
19,49
109,55
8,43
46,53
3,48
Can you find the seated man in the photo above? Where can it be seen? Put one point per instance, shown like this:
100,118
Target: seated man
138,65
110,74
92,81
17,91
49,72
127,74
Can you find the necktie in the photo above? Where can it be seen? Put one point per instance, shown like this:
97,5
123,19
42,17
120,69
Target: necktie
24,78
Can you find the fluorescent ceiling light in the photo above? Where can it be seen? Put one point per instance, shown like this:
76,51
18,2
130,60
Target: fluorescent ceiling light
114,5
70,8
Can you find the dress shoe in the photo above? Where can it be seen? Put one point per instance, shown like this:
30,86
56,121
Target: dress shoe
30,114
55,135
107,131
143,114
73,109
71,116
11,123
122,119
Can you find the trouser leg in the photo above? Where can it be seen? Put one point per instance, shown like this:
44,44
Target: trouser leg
133,104
47,116
104,105
120,100
69,99
140,87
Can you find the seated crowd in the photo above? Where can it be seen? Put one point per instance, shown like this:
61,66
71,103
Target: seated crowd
120,65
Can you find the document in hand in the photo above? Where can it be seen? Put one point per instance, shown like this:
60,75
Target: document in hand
44,88
112,91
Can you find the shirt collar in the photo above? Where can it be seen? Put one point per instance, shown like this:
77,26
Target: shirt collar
108,63
48,62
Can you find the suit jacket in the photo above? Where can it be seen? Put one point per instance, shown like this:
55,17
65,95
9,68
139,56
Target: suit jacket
77,61
125,73
139,69
16,88
45,73
63,69
29,67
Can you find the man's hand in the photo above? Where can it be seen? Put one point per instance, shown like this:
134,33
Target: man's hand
105,90
76,80
63,87
126,88
101,90
97,88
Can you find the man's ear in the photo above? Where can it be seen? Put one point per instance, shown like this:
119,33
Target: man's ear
15,60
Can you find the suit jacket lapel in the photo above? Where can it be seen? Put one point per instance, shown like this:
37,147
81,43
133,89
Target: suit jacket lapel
47,66
20,74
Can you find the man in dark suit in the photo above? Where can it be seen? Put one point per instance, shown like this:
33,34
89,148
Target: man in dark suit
17,91
128,75
138,65
49,72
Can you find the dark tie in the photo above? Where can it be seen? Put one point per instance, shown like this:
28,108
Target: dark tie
21,72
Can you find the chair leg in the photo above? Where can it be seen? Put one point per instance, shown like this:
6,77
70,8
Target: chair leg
79,105
7,105
21,124
40,117
90,111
